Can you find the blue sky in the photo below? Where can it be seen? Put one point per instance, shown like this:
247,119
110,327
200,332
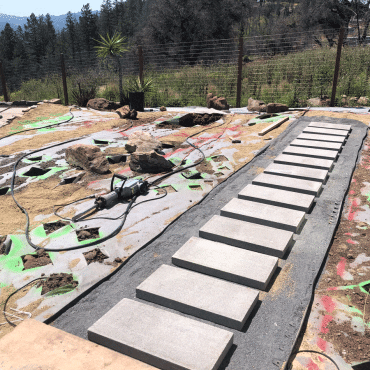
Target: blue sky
23,8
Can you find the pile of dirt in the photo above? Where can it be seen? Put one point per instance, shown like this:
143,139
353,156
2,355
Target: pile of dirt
85,234
55,281
40,258
54,226
193,119
96,255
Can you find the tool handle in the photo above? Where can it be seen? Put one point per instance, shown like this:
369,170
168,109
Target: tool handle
122,177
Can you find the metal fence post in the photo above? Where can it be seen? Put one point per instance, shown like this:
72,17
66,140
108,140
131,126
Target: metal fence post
3,82
337,65
240,69
141,65
64,78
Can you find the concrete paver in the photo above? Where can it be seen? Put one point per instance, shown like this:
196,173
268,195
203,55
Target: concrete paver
295,160
247,235
311,152
316,137
264,214
277,197
161,338
325,131
34,345
335,126
304,173
316,144
226,262
288,183
199,295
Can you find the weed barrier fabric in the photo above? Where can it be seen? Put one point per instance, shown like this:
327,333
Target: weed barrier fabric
268,337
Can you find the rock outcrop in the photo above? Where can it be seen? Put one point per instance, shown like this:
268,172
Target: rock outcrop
126,112
141,141
150,162
88,157
215,102
102,104
256,105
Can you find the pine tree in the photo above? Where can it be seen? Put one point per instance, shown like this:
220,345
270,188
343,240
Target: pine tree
7,42
88,28
106,20
71,32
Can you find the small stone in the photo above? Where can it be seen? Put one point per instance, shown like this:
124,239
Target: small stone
276,108
219,103
163,109
236,141
118,260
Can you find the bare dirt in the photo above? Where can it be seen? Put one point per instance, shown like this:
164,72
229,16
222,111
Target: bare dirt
352,239
85,234
55,281
40,258
96,255
54,226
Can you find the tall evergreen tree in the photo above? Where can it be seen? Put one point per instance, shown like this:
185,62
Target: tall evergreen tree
106,20
7,42
88,28
71,32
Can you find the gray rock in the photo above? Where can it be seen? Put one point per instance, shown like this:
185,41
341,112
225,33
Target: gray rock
102,104
126,112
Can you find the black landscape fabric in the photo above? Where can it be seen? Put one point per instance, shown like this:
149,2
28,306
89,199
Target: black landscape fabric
269,335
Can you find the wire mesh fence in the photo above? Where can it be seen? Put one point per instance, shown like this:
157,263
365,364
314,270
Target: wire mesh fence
289,68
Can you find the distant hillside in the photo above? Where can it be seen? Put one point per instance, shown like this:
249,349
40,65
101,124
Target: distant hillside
58,20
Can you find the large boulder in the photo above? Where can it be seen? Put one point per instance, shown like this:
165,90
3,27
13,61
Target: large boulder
150,162
102,104
276,108
318,102
256,105
215,102
141,141
126,112
363,100
88,157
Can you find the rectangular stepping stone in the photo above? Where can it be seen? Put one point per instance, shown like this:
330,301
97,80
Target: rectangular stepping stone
310,152
226,262
325,131
295,160
333,139
288,183
161,338
336,126
264,214
203,296
316,144
247,235
312,174
277,197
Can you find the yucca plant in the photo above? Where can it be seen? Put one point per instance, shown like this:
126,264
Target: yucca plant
113,47
135,85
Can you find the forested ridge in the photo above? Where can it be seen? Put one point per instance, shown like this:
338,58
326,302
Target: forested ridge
156,22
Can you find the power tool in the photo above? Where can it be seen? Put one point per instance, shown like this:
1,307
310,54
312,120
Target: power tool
124,189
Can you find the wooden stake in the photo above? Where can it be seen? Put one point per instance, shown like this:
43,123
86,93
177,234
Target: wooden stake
64,78
337,65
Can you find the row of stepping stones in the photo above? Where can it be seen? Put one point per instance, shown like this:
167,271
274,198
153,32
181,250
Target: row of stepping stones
218,276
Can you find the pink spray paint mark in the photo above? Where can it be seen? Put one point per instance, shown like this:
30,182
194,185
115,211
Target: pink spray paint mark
322,344
312,366
320,359
325,321
352,213
125,170
332,288
348,234
352,192
350,241
175,152
354,180
328,304
341,266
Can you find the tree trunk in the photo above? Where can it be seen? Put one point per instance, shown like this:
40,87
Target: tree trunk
121,97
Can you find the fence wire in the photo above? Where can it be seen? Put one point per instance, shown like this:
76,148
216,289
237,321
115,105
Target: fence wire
289,68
